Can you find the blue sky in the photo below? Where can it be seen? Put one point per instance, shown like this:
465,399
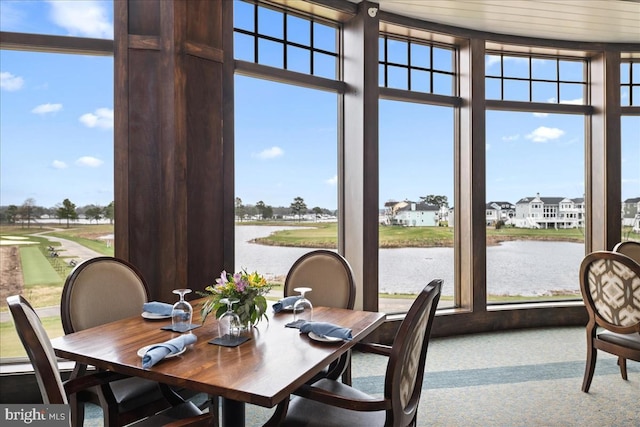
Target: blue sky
56,131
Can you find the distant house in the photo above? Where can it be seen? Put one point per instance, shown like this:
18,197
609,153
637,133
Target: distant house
499,211
412,214
549,212
631,213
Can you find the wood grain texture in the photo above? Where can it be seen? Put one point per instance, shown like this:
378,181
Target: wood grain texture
263,371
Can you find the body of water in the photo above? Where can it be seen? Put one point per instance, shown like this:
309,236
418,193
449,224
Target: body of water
530,268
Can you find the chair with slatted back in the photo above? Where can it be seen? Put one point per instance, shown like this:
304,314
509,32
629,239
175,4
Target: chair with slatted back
330,403
610,286
331,278
36,342
98,291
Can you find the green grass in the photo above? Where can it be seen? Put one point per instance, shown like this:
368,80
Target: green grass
36,269
325,235
11,345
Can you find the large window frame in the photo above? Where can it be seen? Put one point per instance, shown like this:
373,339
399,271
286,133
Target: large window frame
471,314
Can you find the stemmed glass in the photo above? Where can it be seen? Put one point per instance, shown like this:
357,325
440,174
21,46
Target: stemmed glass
302,309
182,312
229,322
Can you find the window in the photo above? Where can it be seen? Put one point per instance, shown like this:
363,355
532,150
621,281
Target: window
416,66
283,40
630,83
534,79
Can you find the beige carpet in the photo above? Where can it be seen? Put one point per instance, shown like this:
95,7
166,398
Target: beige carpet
518,378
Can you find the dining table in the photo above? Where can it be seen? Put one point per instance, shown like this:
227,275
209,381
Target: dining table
264,370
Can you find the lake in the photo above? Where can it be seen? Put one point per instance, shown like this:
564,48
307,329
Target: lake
530,268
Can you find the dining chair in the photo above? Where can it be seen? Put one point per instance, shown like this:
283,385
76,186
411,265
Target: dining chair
630,249
328,403
330,277
101,290
36,342
610,286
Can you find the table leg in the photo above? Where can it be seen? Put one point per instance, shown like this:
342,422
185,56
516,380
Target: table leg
232,413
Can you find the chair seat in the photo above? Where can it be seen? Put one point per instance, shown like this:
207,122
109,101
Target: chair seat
178,412
133,392
626,340
306,412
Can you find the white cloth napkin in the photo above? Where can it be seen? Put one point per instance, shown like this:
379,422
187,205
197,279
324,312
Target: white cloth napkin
159,351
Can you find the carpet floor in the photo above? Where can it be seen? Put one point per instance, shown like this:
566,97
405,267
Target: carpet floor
528,377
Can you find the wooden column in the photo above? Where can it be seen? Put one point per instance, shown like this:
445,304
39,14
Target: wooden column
603,184
170,185
359,197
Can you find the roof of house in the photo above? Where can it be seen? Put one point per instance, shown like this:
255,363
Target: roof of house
420,207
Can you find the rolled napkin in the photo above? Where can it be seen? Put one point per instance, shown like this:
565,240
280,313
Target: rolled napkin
327,330
159,351
285,302
156,307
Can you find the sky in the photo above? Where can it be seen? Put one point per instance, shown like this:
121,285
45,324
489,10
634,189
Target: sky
56,129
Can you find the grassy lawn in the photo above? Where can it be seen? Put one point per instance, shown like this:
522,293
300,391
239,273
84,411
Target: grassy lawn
11,345
36,269
325,235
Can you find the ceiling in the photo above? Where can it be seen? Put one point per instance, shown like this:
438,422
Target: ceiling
610,21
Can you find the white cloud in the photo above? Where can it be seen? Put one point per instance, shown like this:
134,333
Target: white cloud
333,180
544,134
102,118
59,164
10,82
47,108
540,114
511,137
270,153
89,161
578,101
82,18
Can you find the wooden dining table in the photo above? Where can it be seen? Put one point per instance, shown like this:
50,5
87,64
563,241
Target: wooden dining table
263,371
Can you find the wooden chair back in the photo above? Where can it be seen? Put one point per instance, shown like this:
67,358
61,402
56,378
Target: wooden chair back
405,369
610,286
630,249
328,274
36,342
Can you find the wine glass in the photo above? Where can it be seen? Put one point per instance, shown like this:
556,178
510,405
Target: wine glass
182,312
302,309
229,322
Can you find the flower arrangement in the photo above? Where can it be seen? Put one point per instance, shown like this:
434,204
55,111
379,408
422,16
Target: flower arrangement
248,288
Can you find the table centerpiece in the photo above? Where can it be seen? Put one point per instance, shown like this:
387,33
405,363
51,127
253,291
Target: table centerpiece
248,288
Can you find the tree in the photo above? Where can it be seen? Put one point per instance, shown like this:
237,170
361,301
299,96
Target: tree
67,211
11,213
240,209
318,211
27,210
267,212
298,206
109,212
94,212
432,199
260,206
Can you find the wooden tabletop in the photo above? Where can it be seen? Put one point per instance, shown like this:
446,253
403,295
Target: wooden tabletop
262,371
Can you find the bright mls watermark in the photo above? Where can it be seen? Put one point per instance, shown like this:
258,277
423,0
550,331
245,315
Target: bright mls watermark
34,415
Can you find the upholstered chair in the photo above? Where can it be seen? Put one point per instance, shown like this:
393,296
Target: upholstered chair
36,342
610,286
331,278
330,403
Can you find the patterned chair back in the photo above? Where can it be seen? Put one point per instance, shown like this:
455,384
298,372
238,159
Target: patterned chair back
610,285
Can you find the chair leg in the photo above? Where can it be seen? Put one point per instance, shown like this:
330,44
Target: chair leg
77,411
622,362
592,355
346,375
